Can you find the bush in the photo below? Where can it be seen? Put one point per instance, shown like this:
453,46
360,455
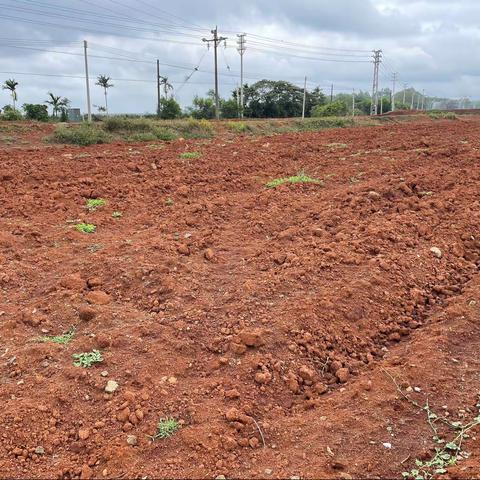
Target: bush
442,115
169,109
9,114
83,135
35,111
334,109
123,124
193,128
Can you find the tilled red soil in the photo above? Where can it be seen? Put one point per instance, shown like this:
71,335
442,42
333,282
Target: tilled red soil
269,322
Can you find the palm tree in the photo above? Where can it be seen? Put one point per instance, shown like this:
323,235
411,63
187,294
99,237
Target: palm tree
55,102
11,85
104,81
166,85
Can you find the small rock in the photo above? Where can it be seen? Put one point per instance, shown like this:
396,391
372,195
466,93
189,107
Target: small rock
252,338
132,440
437,252
86,313
183,249
172,380
387,445
268,471
209,254
263,377
73,282
40,450
373,195
86,473
97,297
83,433
342,374
306,373
279,258
232,393
220,477
111,386
104,373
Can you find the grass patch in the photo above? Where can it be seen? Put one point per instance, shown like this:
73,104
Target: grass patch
442,115
300,178
188,155
166,428
239,127
117,214
83,135
63,339
87,359
94,203
169,202
85,227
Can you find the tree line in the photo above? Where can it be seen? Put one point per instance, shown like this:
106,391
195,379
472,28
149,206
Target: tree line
262,99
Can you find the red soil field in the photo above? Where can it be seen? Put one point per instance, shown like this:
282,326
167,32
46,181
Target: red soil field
271,323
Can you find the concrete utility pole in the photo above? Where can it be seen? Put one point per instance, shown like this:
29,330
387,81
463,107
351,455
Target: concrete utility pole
394,81
377,58
89,107
331,93
413,97
216,40
381,105
418,102
423,98
304,98
158,88
404,91
241,50
353,103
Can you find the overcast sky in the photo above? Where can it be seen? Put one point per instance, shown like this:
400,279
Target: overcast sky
432,44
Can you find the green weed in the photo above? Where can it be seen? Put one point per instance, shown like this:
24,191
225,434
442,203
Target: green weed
117,214
87,359
94,203
169,202
85,227
63,339
166,428
300,178
189,155
83,135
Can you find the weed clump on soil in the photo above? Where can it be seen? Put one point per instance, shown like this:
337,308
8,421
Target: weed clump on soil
94,203
117,214
239,127
63,339
83,135
442,115
85,227
169,202
187,155
312,124
87,359
300,178
166,428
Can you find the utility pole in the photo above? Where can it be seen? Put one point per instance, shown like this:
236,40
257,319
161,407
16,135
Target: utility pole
423,98
413,97
331,93
381,105
404,91
377,56
394,80
158,88
241,50
418,102
353,103
89,108
216,40
304,98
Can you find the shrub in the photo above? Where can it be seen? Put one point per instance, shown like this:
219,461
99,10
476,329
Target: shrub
9,114
169,109
83,135
312,124
164,134
35,111
337,108
123,124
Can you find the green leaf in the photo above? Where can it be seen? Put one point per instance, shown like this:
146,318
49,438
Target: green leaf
452,446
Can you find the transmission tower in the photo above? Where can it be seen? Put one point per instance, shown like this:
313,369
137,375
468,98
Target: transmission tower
377,58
